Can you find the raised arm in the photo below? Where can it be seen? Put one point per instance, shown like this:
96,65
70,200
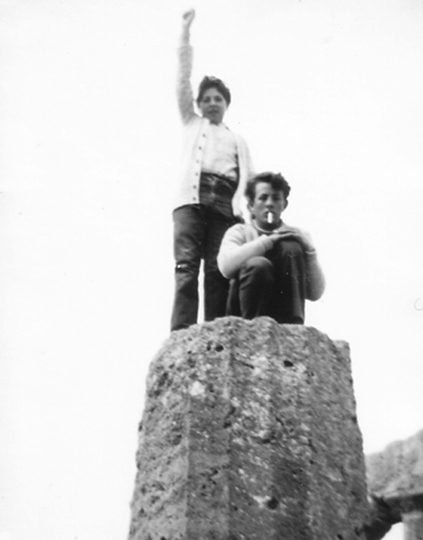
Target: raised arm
185,53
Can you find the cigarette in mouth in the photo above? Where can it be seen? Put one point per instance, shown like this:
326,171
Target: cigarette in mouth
269,218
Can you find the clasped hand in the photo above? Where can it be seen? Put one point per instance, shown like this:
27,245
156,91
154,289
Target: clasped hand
302,237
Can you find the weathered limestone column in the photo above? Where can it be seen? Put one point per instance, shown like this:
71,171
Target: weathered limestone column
395,480
249,432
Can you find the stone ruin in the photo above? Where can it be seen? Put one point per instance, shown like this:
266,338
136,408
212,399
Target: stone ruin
395,484
249,432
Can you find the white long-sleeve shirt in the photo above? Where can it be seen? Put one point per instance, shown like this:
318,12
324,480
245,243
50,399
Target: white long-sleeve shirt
196,131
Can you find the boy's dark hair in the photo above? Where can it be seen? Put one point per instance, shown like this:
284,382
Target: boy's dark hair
276,180
213,82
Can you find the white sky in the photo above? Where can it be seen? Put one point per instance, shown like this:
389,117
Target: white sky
328,93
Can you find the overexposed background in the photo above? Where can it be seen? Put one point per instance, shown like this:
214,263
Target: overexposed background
328,93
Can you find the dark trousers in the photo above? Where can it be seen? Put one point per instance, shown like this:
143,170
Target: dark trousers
272,285
198,232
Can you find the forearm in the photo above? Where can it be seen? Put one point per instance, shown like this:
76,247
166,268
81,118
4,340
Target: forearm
233,256
183,87
184,38
246,171
315,279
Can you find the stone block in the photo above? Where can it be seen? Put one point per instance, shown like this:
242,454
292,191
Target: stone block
397,471
249,432
395,483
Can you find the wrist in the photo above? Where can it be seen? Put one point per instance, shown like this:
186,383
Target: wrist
266,241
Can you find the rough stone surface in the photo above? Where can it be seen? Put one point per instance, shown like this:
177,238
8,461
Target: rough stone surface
413,525
397,471
249,432
380,519
395,483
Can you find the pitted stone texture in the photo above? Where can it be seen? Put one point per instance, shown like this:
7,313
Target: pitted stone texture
249,432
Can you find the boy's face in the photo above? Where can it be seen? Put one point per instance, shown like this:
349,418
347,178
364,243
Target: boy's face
213,106
267,202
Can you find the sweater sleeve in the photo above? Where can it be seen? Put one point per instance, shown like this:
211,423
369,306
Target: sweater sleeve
183,86
246,170
236,250
315,284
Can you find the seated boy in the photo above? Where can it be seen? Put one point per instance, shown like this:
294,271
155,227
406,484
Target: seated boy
273,267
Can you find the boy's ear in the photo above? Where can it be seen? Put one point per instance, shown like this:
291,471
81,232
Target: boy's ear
250,207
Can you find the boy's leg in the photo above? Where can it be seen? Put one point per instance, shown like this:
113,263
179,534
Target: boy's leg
290,275
189,227
216,287
256,288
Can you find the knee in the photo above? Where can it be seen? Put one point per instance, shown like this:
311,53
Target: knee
187,268
258,267
291,248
